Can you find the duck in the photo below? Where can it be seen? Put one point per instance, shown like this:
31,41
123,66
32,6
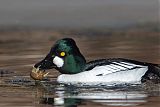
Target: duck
66,57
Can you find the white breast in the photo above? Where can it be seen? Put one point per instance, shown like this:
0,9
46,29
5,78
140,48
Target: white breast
115,72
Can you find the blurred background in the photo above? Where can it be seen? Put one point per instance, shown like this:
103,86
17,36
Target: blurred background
78,13
101,28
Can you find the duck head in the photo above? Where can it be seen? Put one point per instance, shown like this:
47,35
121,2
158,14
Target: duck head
64,56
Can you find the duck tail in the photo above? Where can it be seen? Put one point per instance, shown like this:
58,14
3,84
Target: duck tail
156,69
153,73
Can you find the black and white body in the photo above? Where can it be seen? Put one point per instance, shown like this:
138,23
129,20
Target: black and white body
113,71
66,57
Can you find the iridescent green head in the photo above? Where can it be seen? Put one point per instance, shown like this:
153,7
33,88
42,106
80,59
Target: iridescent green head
64,56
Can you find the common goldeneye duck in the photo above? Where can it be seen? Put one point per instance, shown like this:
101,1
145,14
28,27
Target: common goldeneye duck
66,57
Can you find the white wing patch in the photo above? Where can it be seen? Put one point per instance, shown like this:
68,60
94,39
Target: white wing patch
115,67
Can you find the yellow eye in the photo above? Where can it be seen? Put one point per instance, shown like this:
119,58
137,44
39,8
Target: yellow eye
62,54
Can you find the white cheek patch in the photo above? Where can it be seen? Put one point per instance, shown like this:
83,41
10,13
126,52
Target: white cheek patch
58,61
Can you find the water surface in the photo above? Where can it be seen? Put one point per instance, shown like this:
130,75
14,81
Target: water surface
19,53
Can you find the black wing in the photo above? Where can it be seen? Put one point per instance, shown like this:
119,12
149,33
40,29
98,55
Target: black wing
120,64
115,63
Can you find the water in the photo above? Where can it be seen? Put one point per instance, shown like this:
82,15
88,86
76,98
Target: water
20,50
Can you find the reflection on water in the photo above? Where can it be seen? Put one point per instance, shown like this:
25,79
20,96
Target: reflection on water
72,96
17,57
54,95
